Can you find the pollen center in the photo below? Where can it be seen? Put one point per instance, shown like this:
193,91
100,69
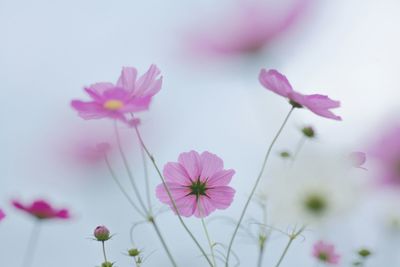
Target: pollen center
198,188
113,104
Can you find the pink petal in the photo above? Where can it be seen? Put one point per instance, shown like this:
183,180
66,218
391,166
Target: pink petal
192,163
100,88
89,110
175,173
148,84
186,205
275,81
211,164
221,196
222,177
127,79
137,104
2,215
204,207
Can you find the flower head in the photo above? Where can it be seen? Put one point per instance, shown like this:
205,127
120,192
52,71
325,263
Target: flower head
128,95
386,151
318,104
198,184
101,233
42,210
2,214
247,28
326,253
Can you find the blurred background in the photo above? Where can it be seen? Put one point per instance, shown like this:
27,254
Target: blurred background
211,100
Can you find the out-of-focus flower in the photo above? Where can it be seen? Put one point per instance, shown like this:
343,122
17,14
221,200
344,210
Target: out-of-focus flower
325,253
101,233
198,183
247,28
93,153
319,104
42,210
313,192
386,151
2,214
129,95
358,159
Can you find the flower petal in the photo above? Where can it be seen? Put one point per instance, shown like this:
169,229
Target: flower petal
221,196
211,164
275,81
89,110
148,84
175,173
192,163
127,79
222,177
204,207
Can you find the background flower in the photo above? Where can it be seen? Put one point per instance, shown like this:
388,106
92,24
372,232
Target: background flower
326,253
42,210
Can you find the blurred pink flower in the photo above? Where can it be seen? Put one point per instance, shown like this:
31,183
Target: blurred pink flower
247,28
319,104
129,95
198,184
92,153
42,210
358,159
387,153
2,214
326,253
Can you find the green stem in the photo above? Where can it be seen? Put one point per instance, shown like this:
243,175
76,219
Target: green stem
32,244
210,244
153,222
255,186
260,256
128,169
298,149
147,179
292,237
104,251
170,196
121,188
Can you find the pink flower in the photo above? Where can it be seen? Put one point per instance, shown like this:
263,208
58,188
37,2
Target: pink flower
42,210
247,28
198,184
2,215
92,153
386,151
319,104
358,159
129,95
326,253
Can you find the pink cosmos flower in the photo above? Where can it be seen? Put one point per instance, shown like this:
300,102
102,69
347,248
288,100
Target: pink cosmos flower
198,184
128,95
386,151
325,252
42,210
358,159
247,28
92,153
2,215
319,104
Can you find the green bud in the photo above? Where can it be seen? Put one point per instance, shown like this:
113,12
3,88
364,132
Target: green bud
364,252
308,132
133,252
101,233
107,264
295,104
285,154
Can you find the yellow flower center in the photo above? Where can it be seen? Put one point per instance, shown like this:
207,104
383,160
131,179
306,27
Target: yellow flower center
113,104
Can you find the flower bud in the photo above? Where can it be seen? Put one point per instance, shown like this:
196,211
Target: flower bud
133,252
101,233
308,132
364,252
285,154
107,264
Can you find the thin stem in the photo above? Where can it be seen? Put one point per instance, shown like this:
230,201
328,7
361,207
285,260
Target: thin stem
291,238
260,256
104,251
147,179
255,185
32,244
153,222
128,169
210,244
121,188
298,149
148,217
170,196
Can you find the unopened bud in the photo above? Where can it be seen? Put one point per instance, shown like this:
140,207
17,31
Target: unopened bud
133,252
308,132
101,233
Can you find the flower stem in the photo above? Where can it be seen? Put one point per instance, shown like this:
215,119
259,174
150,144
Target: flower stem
149,217
149,155
153,222
146,178
209,241
104,251
298,149
260,256
32,244
255,185
292,237
128,169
